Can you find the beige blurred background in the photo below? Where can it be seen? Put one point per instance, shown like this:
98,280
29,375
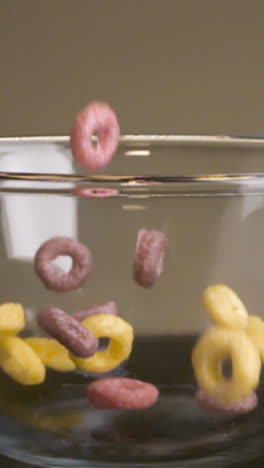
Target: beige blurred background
166,66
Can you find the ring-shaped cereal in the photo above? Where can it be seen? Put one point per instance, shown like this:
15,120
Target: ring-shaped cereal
69,332
255,331
122,393
149,257
216,345
245,405
51,353
224,307
120,334
99,118
53,277
12,318
20,362
109,307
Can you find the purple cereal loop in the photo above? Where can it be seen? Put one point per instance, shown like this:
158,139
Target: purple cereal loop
149,256
245,405
69,332
109,307
122,393
99,118
53,277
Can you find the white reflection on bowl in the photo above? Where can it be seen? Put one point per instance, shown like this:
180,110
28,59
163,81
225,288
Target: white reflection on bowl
29,220
134,207
137,152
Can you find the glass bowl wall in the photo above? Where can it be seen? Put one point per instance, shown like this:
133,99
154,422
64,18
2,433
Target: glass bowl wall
207,194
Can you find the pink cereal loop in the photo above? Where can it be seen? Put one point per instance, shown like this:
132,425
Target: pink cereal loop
53,277
109,307
149,256
99,118
96,192
122,393
69,332
210,404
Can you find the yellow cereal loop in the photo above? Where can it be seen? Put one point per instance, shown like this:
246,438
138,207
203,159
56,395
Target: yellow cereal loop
12,318
214,346
20,362
51,353
120,334
58,420
224,307
255,330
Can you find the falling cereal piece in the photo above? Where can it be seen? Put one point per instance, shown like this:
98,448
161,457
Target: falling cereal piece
51,353
12,318
224,307
255,331
68,331
214,346
120,334
20,362
96,118
149,256
53,277
212,405
109,307
122,393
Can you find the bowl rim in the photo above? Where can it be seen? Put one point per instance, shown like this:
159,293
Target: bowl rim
142,185
224,139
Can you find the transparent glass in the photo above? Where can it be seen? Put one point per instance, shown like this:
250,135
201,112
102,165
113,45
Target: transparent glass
207,194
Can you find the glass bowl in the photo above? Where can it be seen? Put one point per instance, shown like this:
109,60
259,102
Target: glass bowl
206,193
